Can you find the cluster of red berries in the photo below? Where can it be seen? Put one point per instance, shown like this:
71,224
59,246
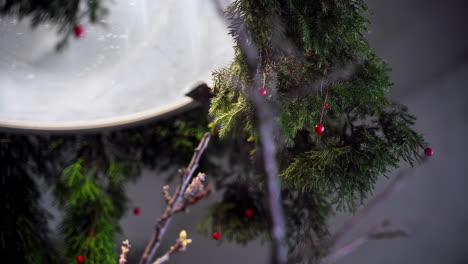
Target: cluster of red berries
319,129
249,213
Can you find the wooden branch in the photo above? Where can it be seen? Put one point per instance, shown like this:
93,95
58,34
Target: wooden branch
162,224
273,183
125,249
268,146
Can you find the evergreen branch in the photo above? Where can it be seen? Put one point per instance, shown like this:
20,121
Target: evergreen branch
336,53
174,203
125,249
374,234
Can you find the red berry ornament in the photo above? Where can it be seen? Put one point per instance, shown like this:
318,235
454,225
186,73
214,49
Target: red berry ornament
79,31
136,211
263,91
249,213
429,152
319,128
80,259
216,235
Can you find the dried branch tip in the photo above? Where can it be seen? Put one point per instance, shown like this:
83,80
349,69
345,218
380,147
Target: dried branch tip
195,187
167,195
125,249
179,246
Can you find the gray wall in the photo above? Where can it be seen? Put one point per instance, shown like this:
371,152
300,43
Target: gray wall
425,44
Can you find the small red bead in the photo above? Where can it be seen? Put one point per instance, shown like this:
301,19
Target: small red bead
136,211
80,259
429,152
79,30
216,235
249,213
263,92
326,105
319,128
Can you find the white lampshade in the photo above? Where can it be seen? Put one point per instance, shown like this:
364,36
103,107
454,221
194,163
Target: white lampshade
139,65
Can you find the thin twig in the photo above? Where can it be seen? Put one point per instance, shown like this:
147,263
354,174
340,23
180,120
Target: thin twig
174,203
198,197
180,245
374,234
125,249
166,194
393,187
352,221
165,257
184,205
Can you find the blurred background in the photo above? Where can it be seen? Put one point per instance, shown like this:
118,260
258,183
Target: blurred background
425,44
158,48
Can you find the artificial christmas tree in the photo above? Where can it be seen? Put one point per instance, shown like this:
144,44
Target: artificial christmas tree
309,55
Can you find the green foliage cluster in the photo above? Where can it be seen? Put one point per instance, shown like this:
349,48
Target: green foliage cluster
178,135
365,133
87,174
304,212
93,203
24,233
90,190
228,216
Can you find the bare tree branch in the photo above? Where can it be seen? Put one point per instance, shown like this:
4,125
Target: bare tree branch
374,234
174,202
164,258
180,245
268,145
184,205
393,187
